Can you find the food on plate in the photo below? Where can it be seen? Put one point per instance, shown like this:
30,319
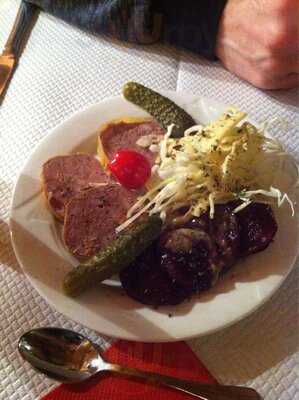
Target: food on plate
170,211
65,176
124,134
258,227
130,168
184,261
147,281
165,111
92,216
120,253
222,162
190,259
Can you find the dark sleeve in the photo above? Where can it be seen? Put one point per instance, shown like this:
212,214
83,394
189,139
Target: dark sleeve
191,24
128,20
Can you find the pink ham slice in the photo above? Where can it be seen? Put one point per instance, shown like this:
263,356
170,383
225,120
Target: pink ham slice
65,176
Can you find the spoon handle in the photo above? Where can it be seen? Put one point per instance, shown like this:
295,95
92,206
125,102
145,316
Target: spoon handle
199,390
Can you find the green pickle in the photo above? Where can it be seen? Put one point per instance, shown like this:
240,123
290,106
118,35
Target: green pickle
114,258
165,111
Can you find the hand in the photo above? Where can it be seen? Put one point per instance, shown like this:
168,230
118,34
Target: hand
258,40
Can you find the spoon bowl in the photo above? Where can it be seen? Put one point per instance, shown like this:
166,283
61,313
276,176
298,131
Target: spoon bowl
69,357
61,354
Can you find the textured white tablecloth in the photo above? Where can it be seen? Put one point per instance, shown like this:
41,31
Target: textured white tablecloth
63,70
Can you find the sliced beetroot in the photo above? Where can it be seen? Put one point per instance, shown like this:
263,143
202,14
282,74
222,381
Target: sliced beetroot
192,271
258,228
224,233
191,258
184,240
159,279
147,281
185,261
224,228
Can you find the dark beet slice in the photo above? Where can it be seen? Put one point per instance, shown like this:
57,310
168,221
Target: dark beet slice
189,256
192,271
184,240
158,279
224,233
258,228
147,281
224,228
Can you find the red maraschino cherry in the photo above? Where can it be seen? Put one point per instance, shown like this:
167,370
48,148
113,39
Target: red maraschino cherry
130,168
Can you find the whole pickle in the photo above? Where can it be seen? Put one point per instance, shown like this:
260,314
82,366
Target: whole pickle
165,111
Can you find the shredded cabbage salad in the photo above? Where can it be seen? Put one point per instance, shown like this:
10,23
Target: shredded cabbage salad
223,161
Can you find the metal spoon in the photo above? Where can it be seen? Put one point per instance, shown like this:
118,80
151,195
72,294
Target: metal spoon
69,357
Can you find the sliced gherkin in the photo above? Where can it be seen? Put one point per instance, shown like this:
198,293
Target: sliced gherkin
165,111
114,258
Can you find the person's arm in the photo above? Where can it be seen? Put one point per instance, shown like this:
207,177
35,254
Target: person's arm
190,24
258,40
127,20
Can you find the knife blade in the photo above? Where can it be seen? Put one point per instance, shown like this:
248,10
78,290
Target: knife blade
23,24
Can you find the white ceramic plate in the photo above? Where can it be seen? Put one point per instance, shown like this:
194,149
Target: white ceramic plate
40,251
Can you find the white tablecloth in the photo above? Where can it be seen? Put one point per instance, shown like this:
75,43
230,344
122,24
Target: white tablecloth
62,70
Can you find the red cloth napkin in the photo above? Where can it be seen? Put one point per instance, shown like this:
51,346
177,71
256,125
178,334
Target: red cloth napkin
175,359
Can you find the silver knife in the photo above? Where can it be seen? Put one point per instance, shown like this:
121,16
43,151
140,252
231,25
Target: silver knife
21,29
